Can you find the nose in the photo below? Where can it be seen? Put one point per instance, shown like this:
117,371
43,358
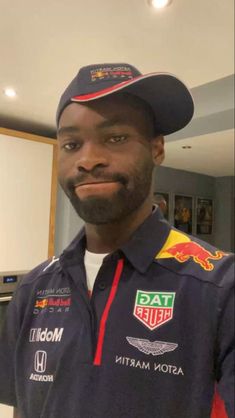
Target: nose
91,156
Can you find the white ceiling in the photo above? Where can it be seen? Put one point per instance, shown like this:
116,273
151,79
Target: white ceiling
201,159
43,44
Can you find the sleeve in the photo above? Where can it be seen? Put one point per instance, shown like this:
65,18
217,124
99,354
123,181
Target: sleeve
16,312
225,357
8,340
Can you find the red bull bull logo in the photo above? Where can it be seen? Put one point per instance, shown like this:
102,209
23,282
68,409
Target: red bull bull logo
99,75
180,247
41,303
186,250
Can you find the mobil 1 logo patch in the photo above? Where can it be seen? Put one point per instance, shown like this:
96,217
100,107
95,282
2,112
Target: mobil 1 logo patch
45,335
154,309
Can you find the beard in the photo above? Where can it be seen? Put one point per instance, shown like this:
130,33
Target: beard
98,210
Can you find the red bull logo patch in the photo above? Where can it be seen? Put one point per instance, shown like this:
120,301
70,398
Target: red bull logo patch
42,303
180,247
52,300
110,73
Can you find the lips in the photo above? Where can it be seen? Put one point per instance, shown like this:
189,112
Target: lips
96,188
94,183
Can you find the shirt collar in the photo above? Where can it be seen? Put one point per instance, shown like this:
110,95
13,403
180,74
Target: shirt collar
75,251
147,241
140,249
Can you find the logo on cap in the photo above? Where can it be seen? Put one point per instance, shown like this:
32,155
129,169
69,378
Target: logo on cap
111,73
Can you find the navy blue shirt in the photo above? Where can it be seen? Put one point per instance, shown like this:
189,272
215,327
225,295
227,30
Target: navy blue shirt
152,341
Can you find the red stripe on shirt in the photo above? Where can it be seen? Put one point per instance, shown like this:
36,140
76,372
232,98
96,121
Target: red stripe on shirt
99,349
218,408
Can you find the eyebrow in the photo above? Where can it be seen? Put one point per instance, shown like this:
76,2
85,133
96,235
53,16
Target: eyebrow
67,130
105,124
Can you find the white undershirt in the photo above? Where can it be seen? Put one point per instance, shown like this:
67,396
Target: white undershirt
92,263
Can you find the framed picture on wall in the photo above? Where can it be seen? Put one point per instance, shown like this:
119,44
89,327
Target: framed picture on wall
204,214
162,200
183,213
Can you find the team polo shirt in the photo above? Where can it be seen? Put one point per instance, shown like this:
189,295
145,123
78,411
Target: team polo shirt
152,341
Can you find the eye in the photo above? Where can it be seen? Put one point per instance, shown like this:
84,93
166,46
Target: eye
115,139
71,146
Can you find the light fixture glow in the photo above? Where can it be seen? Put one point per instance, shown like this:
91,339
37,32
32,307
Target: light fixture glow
160,4
9,92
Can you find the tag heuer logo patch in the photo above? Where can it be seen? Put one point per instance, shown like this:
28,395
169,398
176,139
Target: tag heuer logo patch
154,308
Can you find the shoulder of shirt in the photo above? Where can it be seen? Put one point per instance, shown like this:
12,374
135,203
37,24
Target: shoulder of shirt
48,267
51,266
186,255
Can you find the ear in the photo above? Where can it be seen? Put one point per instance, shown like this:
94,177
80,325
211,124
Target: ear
158,152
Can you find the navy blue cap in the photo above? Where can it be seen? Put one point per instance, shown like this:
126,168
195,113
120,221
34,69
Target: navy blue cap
169,98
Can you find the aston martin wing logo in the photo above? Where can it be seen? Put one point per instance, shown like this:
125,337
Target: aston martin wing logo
156,348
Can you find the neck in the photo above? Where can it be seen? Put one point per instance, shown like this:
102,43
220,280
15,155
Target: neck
109,237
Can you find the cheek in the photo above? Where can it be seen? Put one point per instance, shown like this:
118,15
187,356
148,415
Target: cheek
143,159
66,165
139,170
64,170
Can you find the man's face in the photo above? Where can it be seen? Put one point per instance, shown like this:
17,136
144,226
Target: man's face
105,159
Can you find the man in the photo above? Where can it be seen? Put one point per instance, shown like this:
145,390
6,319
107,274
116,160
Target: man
160,200
134,318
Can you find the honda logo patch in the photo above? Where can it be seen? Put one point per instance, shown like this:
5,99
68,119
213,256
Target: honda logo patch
40,361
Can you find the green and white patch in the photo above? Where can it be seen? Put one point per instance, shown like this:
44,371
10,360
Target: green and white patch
154,308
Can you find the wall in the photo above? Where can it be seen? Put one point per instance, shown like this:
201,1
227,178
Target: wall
6,411
183,182
176,181
224,213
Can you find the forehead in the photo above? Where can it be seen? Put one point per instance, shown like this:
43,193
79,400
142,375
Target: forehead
117,109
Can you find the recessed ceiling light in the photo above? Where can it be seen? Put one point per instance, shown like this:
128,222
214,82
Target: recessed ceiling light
186,147
9,92
159,4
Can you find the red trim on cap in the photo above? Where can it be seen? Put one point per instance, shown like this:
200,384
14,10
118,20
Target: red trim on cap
103,92
218,408
99,348
119,86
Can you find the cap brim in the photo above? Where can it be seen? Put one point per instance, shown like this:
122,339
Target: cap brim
168,96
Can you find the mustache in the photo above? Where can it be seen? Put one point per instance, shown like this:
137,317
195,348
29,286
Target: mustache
84,177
